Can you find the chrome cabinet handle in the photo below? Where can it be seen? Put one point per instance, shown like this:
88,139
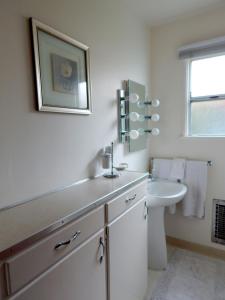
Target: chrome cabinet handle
67,242
146,210
75,236
101,250
131,199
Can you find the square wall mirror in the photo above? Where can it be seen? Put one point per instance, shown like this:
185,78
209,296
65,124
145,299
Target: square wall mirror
136,108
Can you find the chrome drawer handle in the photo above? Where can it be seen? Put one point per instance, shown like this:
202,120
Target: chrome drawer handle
131,199
67,242
64,243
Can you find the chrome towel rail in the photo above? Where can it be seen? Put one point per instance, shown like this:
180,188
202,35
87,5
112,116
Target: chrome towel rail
209,162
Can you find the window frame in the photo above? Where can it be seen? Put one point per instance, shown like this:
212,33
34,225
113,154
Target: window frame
190,99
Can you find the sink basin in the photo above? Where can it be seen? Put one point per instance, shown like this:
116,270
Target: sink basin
165,193
161,193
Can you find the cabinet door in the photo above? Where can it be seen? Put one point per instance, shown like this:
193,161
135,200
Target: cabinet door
79,276
127,259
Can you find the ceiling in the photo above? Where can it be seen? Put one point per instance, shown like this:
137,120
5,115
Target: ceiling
156,12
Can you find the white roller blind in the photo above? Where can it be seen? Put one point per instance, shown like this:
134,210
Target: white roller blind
207,47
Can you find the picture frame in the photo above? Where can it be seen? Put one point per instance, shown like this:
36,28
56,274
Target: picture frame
62,71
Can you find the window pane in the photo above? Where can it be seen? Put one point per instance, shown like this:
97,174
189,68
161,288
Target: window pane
208,76
208,118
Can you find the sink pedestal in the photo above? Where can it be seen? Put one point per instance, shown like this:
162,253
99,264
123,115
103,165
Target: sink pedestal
161,193
157,251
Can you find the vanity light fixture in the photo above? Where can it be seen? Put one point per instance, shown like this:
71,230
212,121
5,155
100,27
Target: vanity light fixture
154,117
134,134
153,131
133,107
153,103
133,98
134,117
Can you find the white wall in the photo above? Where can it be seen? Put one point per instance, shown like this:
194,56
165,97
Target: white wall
168,82
43,151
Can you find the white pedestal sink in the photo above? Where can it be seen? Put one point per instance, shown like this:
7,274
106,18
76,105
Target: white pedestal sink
161,193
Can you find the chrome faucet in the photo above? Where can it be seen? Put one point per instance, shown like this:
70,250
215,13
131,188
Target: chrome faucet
152,176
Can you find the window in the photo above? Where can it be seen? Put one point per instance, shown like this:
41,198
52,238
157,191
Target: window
206,96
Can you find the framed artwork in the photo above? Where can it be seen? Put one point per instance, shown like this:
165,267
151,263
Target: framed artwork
62,70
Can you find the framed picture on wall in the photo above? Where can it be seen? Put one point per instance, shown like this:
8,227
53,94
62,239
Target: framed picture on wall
62,70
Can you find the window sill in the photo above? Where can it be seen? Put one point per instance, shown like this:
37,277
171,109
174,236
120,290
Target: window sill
203,137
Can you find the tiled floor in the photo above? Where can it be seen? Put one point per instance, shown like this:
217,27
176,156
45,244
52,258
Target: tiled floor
189,276
153,277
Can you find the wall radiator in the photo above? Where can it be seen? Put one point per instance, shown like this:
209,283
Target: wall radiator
218,224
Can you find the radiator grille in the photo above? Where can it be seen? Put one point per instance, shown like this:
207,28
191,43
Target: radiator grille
218,234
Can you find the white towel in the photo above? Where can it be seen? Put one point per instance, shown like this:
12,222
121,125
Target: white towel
176,174
161,168
196,180
177,169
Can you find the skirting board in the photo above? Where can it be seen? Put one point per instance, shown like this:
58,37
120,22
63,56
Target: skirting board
205,250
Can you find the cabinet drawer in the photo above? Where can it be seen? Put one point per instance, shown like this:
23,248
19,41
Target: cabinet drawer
119,204
80,275
22,268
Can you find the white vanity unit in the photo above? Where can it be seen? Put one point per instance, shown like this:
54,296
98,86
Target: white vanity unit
88,241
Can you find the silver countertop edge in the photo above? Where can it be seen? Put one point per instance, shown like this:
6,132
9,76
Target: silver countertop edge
67,219
59,189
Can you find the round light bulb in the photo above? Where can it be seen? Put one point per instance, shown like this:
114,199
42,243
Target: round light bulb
141,118
140,104
133,98
134,116
155,131
134,134
141,131
155,102
155,117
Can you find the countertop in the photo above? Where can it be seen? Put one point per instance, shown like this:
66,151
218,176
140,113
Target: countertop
26,223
